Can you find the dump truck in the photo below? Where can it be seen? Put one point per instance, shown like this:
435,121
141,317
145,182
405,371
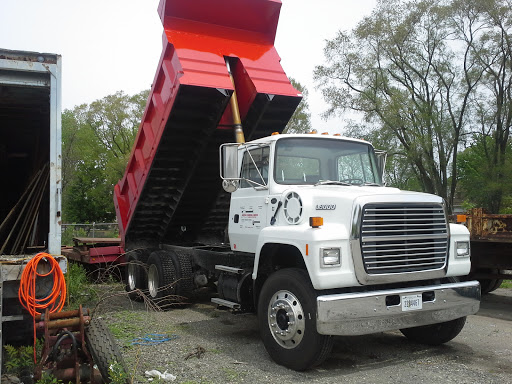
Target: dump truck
491,244
300,229
30,162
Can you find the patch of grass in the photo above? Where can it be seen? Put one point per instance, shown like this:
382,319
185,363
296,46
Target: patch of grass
183,327
507,284
127,325
232,375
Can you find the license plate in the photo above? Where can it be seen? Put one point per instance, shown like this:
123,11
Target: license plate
411,302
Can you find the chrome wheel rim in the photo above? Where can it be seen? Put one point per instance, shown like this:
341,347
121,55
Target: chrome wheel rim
132,280
153,280
286,319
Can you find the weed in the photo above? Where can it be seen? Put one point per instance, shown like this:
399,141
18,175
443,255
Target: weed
48,379
19,360
78,287
506,284
117,373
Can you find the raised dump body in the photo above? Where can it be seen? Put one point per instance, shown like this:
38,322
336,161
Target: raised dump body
171,190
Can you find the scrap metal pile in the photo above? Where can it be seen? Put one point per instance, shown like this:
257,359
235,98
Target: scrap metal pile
18,230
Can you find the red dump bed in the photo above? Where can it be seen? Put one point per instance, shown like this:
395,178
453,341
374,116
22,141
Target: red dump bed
171,190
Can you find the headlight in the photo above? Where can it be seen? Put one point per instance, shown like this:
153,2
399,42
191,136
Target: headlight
330,257
462,248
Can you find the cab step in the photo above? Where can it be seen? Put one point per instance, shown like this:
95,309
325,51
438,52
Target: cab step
233,270
225,303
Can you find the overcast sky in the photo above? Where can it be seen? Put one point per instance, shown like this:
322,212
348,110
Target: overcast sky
112,45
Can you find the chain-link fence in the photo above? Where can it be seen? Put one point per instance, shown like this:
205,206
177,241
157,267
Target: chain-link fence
88,230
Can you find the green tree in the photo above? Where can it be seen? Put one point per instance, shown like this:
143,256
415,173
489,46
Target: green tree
97,141
478,177
486,162
301,119
409,75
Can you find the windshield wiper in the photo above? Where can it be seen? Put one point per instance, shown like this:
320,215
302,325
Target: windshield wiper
371,184
331,182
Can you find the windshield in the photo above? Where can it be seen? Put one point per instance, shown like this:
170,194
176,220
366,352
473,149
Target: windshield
318,160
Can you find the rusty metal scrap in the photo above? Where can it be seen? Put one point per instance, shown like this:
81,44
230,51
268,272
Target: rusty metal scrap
492,227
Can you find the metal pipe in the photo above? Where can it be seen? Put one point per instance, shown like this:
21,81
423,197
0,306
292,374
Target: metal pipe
237,121
62,323
20,215
63,315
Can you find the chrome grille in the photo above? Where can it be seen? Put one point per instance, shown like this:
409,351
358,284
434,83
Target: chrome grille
403,238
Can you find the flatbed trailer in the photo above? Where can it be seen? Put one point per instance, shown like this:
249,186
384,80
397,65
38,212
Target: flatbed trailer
491,248
95,250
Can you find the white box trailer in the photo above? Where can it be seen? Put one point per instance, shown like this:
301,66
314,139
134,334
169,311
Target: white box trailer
30,165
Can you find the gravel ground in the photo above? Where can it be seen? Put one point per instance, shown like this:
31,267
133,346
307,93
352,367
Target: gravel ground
209,345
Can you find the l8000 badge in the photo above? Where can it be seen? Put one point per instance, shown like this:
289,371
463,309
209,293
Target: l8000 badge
325,207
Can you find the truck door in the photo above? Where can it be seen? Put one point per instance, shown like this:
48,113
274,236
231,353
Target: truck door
248,212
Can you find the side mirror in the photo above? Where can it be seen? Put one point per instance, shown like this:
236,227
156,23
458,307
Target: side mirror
381,161
229,172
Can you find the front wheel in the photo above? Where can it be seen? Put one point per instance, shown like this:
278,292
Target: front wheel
435,334
287,320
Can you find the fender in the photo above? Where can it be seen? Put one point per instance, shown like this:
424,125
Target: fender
308,241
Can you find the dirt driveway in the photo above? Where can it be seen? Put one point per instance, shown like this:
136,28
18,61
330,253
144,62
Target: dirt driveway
207,345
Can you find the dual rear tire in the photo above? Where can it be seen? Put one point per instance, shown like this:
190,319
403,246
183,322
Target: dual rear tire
165,277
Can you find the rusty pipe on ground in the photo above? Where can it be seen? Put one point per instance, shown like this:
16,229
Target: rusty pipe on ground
63,323
63,315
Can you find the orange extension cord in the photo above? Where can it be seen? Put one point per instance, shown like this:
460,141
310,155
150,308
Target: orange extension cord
27,292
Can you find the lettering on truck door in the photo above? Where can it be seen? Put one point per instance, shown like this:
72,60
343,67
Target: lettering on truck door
248,214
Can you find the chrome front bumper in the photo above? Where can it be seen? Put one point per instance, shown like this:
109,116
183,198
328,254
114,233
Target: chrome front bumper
377,311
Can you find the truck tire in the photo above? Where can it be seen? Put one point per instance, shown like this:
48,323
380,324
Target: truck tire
496,285
183,266
287,320
161,278
435,334
136,273
489,285
103,349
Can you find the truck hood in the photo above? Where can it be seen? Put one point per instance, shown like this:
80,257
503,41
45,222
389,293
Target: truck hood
335,203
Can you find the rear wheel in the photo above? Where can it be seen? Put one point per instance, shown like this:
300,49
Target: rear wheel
435,334
104,351
161,277
169,277
136,274
287,320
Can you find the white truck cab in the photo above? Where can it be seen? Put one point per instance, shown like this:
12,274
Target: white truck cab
366,258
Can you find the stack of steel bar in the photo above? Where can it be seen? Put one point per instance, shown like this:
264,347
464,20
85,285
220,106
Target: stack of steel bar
18,229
